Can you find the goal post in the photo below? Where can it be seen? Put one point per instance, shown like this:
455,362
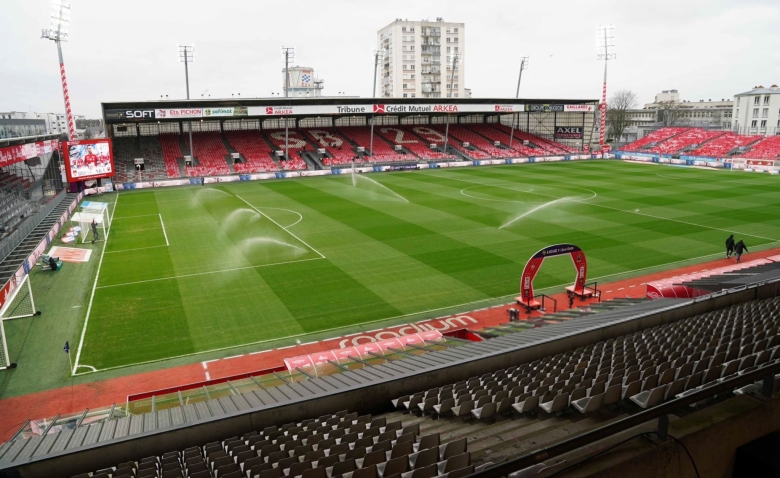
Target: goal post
92,211
18,304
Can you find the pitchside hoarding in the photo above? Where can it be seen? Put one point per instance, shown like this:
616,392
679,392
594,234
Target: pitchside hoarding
568,132
89,159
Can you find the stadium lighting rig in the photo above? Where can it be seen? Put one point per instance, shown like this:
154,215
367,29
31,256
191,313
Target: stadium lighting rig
455,59
605,50
58,33
289,55
187,56
524,63
378,55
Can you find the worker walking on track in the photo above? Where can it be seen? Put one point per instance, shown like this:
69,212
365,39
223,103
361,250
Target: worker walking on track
730,246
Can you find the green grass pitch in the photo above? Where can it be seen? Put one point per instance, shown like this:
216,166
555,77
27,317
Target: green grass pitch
195,269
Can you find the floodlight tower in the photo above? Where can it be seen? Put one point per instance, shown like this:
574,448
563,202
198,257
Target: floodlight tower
186,56
524,62
605,50
455,59
378,55
289,54
58,33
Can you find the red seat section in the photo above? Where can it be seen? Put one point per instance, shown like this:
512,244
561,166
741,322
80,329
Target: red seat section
210,153
688,138
723,145
296,142
548,145
652,138
767,148
467,136
431,135
171,153
361,135
398,135
253,147
339,148
495,133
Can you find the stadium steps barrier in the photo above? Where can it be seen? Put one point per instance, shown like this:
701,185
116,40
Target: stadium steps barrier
17,247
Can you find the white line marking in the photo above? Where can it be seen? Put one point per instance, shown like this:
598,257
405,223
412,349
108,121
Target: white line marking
88,366
233,356
631,286
136,249
300,216
94,287
375,330
210,272
288,347
164,233
288,232
310,343
208,377
212,360
608,291
621,288
260,352
131,217
205,365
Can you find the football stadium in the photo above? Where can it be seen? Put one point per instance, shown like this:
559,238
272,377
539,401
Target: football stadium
388,287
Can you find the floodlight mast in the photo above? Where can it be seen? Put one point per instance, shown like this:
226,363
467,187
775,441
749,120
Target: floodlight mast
187,55
524,60
289,54
58,33
455,59
605,50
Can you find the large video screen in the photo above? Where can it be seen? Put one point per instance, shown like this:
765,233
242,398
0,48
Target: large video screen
89,159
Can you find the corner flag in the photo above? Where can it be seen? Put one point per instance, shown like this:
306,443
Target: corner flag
66,348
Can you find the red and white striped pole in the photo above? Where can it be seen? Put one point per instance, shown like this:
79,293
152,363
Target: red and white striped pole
603,127
68,112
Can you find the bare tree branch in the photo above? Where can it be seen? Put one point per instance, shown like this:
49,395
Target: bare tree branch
670,112
618,118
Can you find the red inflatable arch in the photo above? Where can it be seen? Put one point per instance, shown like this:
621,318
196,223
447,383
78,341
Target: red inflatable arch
535,263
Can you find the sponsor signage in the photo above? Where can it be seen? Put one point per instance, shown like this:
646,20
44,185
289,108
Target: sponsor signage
381,109
543,108
568,132
177,113
129,115
18,153
579,108
222,111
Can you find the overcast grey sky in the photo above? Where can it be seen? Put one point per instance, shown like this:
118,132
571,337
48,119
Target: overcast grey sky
127,50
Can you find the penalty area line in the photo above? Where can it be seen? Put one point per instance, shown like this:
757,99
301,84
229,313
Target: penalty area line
163,228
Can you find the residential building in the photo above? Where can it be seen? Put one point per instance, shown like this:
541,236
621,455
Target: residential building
757,111
27,121
417,59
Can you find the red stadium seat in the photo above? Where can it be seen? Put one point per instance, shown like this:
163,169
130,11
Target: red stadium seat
767,148
722,145
253,147
383,152
210,153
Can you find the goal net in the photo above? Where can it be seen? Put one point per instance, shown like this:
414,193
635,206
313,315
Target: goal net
18,304
92,211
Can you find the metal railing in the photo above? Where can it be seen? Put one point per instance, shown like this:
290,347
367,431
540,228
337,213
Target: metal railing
16,237
660,412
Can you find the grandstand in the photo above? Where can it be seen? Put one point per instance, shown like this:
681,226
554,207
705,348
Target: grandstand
706,143
316,140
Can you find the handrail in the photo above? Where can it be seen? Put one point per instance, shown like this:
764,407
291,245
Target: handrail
545,453
10,243
555,302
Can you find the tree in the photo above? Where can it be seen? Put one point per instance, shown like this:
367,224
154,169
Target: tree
670,112
618,115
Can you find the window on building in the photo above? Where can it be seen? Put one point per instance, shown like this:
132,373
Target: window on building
757,100
738,98
763,124
753,123
449,39
404,95
765,113
456,30
755,112
412,67
405,86
411,29
403,29
413,95
448,49
766,100
448,30
411,48
455,39
412,76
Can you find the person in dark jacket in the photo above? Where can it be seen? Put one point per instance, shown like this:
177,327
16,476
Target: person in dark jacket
730,246
739,248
